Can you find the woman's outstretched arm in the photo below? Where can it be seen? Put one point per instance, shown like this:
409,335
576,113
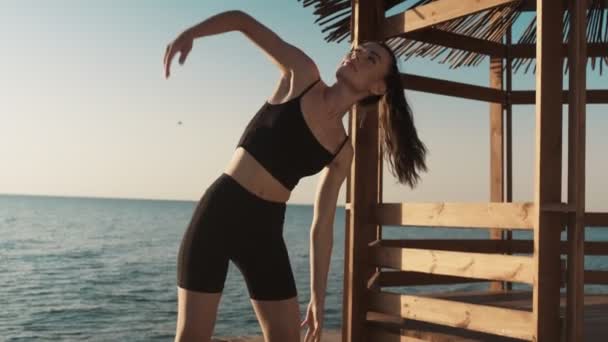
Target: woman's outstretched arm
284,55
321,237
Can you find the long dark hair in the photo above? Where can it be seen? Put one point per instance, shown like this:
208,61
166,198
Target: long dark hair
401,146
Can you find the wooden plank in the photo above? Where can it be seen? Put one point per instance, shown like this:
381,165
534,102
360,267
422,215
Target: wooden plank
458,41
408,278
497,164
459,264
547,172
596,219
488,246
577,58
426,331
530,5
529,50
594,96
367,16
596,277
380,335
455,245
449,88
499,321
596,322
457,215
434,13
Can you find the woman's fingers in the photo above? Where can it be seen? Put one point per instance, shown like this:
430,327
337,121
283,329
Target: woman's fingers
170,53
182,56
308,335
168,57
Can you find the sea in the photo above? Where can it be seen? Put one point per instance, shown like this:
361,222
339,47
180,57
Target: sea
93,269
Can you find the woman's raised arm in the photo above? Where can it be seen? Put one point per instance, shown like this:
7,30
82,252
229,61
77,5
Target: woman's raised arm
285,56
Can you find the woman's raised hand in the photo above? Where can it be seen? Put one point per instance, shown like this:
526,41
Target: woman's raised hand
181,44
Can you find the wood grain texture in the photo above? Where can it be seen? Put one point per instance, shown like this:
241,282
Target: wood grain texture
435,13
457,215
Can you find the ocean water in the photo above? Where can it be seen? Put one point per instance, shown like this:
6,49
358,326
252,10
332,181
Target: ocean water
74,269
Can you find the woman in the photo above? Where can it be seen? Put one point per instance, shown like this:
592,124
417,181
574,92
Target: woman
297,132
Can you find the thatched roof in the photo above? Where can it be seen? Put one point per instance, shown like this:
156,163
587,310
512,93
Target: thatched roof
334,16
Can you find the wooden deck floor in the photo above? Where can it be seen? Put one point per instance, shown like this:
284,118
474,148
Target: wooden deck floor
596,318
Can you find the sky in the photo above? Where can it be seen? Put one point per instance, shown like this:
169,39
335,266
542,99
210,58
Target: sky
85,109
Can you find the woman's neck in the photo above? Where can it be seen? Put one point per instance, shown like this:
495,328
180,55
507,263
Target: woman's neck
338,98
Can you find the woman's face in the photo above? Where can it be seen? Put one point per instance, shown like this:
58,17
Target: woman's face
365,67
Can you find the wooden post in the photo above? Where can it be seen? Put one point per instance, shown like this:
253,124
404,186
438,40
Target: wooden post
577,58
367,20
548,166
348,252
509,135
496,151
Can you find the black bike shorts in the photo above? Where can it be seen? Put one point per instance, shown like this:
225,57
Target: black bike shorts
232,223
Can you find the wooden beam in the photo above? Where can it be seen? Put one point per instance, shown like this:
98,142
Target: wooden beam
547,172
367,17
596,219
487,319
594,96
449,88
409,278
457,215
577,58
458,41
459,264
436,12
530,5
596,277
529,50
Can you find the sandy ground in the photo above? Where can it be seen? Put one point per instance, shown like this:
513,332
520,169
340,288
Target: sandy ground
327,336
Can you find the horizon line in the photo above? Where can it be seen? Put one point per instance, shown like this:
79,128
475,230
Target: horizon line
119,198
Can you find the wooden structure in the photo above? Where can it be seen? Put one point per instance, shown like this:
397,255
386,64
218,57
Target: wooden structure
468,31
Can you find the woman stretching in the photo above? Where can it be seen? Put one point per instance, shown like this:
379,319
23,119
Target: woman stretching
297,132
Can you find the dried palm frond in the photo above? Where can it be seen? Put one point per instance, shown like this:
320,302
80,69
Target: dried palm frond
334,16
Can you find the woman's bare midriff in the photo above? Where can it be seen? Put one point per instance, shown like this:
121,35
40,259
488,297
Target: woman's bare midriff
250,174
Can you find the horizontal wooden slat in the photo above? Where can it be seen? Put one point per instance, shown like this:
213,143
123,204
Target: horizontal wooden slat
530,5
504,322
488,246
596,219
459,264
457,215
378,335
380,324
529,50
458,41
596,277
449,88
594,96
455,245
405,278
434,13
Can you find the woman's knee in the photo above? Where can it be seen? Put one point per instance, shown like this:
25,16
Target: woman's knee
188,334
196,315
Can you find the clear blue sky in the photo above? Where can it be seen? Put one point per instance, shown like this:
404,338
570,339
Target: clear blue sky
85,110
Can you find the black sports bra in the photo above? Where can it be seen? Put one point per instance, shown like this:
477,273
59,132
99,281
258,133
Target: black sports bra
279,139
